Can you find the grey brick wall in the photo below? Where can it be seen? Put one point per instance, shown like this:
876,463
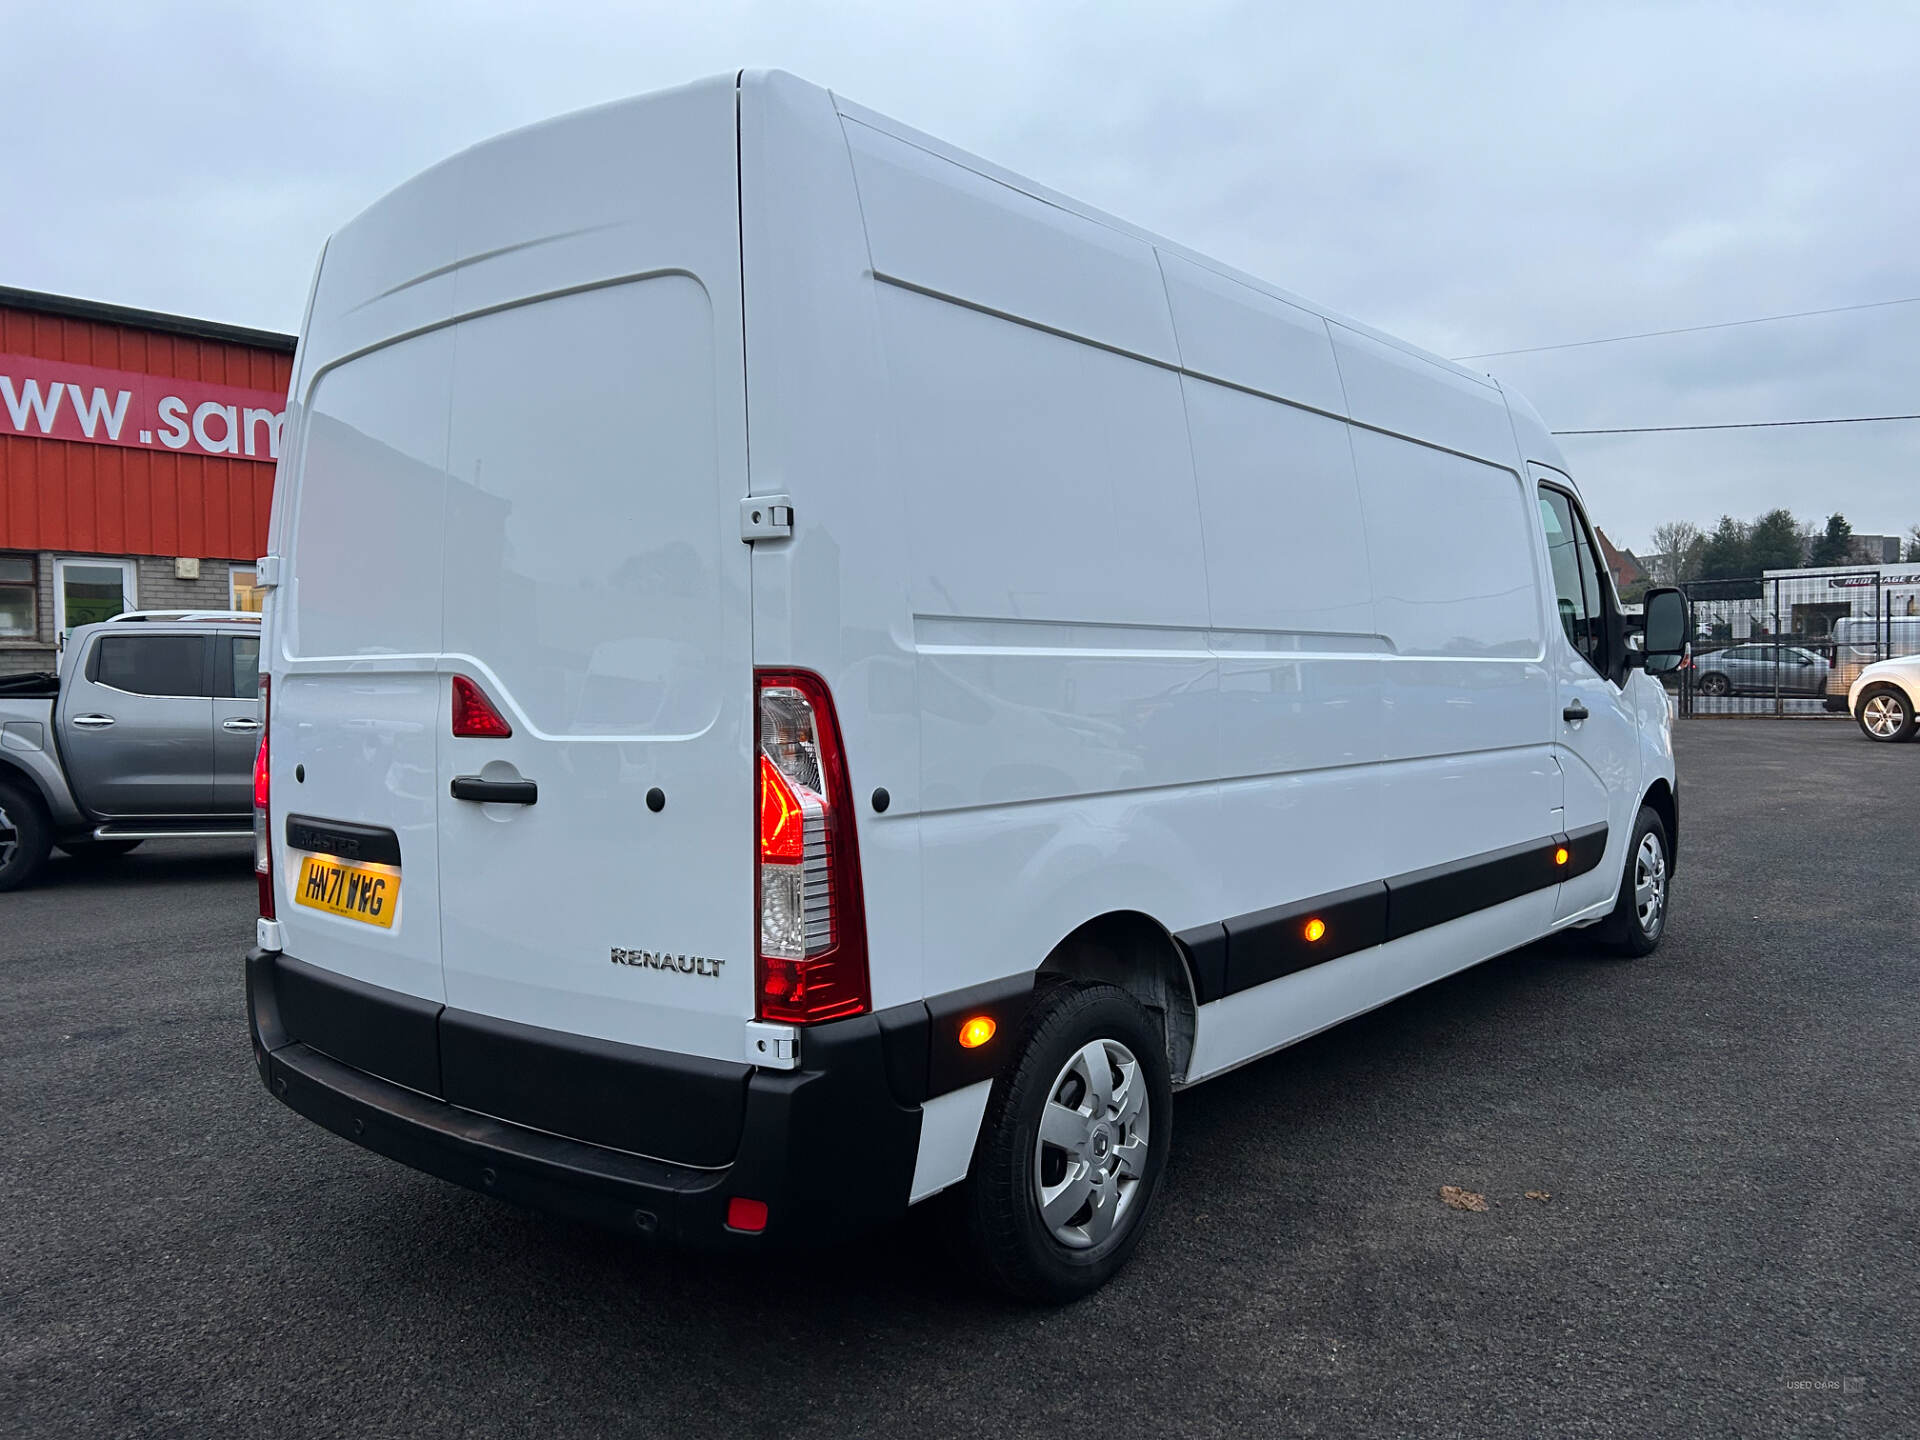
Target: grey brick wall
154,589
158,590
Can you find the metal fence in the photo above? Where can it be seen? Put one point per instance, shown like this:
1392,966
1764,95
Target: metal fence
1790,645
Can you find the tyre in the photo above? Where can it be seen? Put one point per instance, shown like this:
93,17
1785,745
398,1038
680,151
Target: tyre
25,836
1715,684
1886,714
96,852
1073,1146
1639,916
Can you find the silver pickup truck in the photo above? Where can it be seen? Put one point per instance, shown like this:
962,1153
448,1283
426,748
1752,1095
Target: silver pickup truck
148,732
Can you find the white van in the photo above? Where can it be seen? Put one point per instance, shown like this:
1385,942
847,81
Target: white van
806,671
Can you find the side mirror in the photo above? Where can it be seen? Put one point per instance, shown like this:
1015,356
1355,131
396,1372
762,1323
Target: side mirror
1665,629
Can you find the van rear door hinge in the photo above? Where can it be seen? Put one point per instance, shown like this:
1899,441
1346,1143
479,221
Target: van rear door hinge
267,572
776,1047
766,517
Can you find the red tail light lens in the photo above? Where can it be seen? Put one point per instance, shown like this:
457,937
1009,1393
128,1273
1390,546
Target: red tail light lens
782,820
262,795
812,950
474,715
745,1214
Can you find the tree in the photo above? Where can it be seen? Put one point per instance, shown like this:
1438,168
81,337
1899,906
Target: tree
1724,554
1676,551
1774,542
1835,547
1913,543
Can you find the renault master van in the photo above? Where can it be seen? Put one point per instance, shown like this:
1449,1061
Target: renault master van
805,671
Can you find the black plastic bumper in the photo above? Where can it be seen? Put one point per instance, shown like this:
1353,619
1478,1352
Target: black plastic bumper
829,1148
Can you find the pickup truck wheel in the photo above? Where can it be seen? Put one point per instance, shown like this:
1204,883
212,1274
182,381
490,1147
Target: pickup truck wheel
25,836
1073,1145
96,852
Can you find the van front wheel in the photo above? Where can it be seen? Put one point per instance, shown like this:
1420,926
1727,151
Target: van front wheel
1073,1145
1639,916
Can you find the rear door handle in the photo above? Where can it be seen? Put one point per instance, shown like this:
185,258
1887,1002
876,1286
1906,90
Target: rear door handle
239,722
93,722
494,792
1574,713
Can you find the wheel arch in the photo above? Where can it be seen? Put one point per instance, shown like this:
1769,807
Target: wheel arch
1134,951
13,772
1661,800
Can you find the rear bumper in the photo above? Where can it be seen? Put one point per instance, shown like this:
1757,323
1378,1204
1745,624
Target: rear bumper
829,1148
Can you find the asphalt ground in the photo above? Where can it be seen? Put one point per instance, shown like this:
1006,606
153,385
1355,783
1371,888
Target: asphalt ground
1727,1131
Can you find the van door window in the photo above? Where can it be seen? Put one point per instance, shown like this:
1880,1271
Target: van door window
1576,578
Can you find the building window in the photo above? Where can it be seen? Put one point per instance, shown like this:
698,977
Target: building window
19,615
88,591
244,586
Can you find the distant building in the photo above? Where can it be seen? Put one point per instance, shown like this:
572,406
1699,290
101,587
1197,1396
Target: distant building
1627,570
1874,550
136,465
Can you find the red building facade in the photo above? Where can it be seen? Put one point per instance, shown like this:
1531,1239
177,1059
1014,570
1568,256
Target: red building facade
136,465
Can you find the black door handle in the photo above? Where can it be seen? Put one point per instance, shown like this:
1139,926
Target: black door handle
494,792
1574,712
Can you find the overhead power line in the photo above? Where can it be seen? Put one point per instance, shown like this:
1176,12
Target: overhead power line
1691,329
1740,425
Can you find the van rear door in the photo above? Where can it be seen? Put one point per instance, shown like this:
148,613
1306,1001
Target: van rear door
596,591
520,465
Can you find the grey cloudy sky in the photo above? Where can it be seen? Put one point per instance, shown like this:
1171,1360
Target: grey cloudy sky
1473,177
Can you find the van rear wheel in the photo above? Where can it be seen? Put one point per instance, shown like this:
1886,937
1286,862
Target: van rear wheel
1073,1145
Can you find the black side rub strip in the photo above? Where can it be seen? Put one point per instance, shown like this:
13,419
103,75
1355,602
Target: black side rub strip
1264,945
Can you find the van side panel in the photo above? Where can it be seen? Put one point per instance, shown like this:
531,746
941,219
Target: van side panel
1466,691
1058,591
1296,645
952,231
1231,332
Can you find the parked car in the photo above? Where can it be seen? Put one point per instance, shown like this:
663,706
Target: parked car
1102,670
146,732
1885,698
1859,641
1759,668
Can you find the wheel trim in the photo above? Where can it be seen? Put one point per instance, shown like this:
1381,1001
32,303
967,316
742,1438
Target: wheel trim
9,837
1091,1150
1650,884
1883,715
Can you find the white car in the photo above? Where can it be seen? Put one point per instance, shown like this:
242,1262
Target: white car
1885,696
1100,670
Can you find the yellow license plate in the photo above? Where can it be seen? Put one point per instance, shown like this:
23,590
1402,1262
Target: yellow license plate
367,893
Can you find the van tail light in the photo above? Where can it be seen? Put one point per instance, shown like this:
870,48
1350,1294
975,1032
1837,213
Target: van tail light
474,715
812,948
262,793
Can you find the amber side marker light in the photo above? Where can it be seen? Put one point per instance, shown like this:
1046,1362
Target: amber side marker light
1315,928
976,1032
1560,856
